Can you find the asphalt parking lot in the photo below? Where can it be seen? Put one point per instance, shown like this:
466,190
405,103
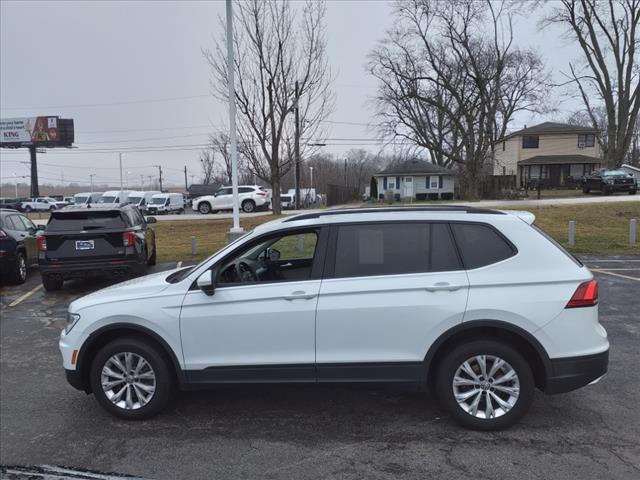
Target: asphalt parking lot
310,431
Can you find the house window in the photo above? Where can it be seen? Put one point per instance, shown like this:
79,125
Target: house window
434,182
392,185
586,140
427,182
530,141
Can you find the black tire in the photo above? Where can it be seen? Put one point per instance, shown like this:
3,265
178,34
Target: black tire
27,209
632,192
181,211
52,208
204,208
163,378
52,283
248,206
604,190
18,274
585,190
452,361
152,259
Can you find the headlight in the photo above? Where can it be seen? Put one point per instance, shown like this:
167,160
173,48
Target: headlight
72,319
609,180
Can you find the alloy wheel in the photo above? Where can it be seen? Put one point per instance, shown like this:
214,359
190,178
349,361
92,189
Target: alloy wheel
486,386
22,267
128,380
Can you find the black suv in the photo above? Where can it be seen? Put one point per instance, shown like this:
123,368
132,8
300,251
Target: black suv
18,245
95,241
609,181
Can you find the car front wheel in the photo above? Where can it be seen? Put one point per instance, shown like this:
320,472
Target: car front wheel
204,208
485,385
131,379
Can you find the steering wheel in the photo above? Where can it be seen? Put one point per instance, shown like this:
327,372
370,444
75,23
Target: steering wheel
246,273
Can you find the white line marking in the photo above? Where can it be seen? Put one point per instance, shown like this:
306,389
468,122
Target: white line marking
25,296
636,269
179,264
608,261
616,274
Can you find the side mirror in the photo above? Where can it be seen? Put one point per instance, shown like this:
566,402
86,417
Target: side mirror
40,227
206,282
151,220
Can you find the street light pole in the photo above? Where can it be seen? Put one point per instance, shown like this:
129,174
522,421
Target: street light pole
236,230
297,148
120,158
91,175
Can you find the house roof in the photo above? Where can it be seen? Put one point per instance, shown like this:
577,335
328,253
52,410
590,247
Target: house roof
415,167
558,160
630,167
550,127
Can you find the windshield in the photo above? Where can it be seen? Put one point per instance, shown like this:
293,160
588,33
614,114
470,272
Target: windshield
108,199
80,199
134,200
158,201
614,173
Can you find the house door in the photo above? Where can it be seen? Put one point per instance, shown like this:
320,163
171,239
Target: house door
555,175
407,187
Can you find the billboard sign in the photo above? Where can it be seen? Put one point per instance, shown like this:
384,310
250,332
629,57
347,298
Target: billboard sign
48,131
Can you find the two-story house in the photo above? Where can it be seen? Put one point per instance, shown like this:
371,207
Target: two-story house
556,153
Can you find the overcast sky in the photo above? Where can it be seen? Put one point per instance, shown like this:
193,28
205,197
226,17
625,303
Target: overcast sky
131,74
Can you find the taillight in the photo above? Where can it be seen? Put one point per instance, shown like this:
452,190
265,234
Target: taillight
3,234
42,243
262,194
586,295
128,239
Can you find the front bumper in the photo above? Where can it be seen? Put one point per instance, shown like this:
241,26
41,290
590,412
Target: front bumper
570,373
626,187
75,380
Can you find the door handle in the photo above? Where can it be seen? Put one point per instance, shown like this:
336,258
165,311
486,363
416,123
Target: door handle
299,295
288,264
443,286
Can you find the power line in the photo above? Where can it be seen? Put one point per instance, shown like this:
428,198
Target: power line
108,104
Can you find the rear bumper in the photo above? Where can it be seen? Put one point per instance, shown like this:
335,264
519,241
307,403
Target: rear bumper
89,269
570,373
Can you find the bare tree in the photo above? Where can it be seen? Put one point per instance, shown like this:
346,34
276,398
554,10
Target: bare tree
276,46
608,33
220,145
208,163
451,80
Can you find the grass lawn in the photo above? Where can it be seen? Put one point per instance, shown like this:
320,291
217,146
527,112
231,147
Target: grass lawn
600,229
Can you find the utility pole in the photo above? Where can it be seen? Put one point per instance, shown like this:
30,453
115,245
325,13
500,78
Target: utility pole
142,182
120,158
236,231
297,148
91,175
186,186
159,175
35,190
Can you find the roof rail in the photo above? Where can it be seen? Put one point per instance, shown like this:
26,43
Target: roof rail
426,208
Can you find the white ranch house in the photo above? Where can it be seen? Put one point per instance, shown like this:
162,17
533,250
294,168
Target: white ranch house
416,179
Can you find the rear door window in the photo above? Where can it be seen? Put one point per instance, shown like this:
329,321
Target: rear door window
480,244
394,248
78,221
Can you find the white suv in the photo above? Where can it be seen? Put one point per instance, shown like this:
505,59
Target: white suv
252,197
478,303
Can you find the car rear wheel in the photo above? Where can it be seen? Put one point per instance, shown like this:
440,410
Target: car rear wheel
131,379
248,206
152,259
632,192
605,190
52,208
204,208
52,283
19,272
585,190
485,385
27,209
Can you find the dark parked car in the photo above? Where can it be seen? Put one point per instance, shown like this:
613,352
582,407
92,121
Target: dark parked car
95,241
609,181
18,245
12,203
